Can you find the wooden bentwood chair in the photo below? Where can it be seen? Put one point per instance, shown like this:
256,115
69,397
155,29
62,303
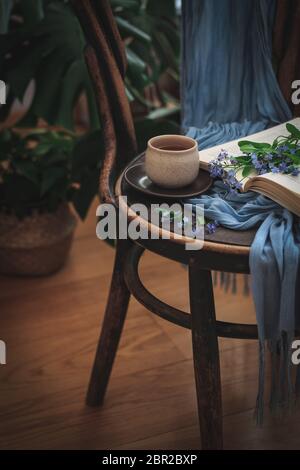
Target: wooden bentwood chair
226,250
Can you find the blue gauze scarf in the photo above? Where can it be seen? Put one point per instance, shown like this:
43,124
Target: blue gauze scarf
229,90
274,264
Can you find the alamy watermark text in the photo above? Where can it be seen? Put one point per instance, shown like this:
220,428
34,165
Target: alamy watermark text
296,94
2,352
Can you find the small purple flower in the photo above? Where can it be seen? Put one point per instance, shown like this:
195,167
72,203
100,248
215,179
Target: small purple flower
275,169
254,158
256,162
282,167
222,155
295,172
278,160
232,183
258,166
283,148
212,227
263,169
216,169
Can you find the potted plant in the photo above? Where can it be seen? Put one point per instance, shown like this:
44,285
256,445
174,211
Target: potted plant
42,63
43,44
43,172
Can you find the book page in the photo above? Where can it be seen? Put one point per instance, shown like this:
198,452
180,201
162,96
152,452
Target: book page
289,182
268,136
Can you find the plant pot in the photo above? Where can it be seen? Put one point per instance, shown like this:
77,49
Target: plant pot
38,244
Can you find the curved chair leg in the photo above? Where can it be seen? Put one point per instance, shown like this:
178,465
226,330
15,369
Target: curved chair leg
115,313
206,356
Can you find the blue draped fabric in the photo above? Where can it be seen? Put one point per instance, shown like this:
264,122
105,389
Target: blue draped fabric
275,264
229,90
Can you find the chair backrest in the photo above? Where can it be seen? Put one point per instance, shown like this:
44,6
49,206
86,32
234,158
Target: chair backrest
106,61
105,56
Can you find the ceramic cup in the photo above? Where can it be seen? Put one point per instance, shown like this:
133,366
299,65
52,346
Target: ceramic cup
172,161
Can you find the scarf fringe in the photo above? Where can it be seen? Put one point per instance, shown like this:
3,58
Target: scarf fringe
283,391
228,282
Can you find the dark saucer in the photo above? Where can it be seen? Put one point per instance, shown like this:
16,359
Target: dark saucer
136,177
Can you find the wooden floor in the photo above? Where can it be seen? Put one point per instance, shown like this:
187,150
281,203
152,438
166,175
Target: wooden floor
51,327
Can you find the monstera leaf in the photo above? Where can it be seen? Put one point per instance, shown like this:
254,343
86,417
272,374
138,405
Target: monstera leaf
52,55
46,44
5,10
43,44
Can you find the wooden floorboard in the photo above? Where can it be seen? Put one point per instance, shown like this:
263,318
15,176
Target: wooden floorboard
51,326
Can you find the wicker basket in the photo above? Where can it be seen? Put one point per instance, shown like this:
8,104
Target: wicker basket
37,245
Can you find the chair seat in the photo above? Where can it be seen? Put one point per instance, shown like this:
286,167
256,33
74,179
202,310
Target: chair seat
231,244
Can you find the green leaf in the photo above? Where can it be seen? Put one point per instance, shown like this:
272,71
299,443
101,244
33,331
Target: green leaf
72,84
163,112
125,4
5,10
165,49
247,170
162,8
247,149
131,30
53,57
53,158
22,67
256,145
88,153
47,48
50,177
5,136
28,169
293,130
242,159
42,149
136,70
134,61
129,95
32,11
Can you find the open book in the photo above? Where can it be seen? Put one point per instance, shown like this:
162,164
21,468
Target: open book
281,188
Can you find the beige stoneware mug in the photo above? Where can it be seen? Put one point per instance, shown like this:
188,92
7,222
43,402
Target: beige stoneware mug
172,161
